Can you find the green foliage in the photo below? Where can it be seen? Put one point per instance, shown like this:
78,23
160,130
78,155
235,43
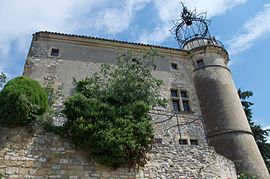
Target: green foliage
2,79
108,115
260,134
245,176
22,100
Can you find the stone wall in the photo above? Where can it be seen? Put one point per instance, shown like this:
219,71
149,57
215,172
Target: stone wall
170,127
187,161
43,155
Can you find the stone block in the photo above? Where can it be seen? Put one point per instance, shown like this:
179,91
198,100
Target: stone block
89,178
60,150
63,161
73,177
76,167
56,167
2,153
76,162
12,170
37,164
14,176
43,159
33,177
55,176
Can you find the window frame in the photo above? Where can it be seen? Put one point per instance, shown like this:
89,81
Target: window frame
182,98
54,52
174,66
200,63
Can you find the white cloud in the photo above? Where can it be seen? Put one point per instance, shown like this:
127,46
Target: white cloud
117,19
158,35
255,28
170,9
19,19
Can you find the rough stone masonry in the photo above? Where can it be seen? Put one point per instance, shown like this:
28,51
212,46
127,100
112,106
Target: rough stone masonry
43,155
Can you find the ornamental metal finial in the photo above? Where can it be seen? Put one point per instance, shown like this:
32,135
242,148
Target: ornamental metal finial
191,25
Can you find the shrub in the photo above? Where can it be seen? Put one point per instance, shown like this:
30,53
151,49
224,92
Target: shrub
21,101
108,115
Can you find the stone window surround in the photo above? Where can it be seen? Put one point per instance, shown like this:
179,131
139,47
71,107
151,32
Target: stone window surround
175,66
180,98
189,140
50,52
200,63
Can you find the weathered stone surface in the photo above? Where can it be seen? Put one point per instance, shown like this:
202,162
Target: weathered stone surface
165,161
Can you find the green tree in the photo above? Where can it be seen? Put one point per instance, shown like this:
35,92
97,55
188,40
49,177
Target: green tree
108,114
2,79
21,101
260,134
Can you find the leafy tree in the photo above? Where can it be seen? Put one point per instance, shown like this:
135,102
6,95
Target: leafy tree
260,134
108,114
2,79
21,101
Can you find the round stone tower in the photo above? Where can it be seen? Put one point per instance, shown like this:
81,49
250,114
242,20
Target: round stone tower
227,128
226,125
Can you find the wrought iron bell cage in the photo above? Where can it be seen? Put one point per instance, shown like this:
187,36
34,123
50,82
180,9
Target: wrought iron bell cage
192,31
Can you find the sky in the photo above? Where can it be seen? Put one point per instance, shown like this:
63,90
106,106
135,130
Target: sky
243,26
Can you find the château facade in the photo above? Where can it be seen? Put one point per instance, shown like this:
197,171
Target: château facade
204,108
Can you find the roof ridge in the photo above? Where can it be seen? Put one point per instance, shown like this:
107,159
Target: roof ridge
111,40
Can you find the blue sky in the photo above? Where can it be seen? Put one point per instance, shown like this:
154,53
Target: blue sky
242,25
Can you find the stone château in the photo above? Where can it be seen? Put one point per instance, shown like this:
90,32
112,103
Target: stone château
204,114
202,133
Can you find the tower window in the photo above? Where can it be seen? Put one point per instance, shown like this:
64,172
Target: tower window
174,66
55,52
200,63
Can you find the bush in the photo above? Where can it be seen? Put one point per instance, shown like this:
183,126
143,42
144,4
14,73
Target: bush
21,101
108,115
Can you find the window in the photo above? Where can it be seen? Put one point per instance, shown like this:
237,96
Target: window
186,106
174,92
174,66
183,141
193,142
158,140
176,105
55,52
180,102
200,63
184,94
